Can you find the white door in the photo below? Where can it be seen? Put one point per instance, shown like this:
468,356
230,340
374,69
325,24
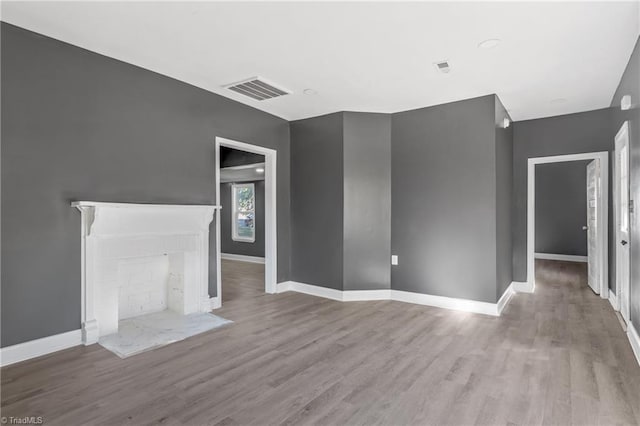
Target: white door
593,184
621,202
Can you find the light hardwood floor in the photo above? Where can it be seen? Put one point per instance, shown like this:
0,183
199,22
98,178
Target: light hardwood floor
558,356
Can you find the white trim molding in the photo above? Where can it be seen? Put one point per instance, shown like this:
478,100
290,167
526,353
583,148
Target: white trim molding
270,214
504,299
603,229
313,290
523,287
613,299
214,302
634,339
242,258
366,295
464,305
562,257
39,347
474,306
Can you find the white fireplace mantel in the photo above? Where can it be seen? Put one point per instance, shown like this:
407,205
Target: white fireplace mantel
114,231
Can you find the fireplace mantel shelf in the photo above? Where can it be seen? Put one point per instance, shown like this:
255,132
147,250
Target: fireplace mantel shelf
81,204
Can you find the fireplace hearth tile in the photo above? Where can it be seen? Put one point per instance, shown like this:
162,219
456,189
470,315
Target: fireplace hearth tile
150,331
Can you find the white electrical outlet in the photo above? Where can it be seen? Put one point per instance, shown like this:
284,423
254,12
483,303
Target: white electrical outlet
394,259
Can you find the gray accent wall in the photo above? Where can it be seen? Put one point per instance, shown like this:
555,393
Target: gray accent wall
317,205
367,201
504,190
341,201
77,125
443,213
228,245
566,134
630,85
561,208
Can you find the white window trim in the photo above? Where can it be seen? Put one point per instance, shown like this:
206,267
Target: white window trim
234,213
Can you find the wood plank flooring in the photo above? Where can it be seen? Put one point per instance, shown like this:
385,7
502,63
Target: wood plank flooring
558,356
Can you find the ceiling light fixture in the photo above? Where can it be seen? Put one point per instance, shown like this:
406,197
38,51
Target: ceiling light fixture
260,170
309,92
489,43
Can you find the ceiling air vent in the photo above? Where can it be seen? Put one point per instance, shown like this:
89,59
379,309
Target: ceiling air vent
443,67
257,88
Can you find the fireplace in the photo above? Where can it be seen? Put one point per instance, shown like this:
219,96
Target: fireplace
141,258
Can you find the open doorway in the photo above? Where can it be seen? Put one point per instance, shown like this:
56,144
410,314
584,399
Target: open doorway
587,235
246,246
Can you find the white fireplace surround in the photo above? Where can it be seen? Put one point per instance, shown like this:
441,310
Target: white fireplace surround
113,233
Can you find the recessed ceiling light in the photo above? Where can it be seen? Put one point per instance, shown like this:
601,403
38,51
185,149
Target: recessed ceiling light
489,43
558,101
260,170
310,92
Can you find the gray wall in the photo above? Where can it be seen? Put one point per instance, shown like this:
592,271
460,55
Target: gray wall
341,201
566,134
630,85
504,190
227,244
317,201
80,126
367,201
561,208
443,186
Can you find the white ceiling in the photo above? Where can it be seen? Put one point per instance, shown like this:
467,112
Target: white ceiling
245,173
375,57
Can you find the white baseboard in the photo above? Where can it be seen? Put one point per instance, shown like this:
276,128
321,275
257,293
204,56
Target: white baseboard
445,302
313,290
504,299
632,334
214,302
283,286
523,287
35,348
562,257
613,299
241,258
494,309
364,295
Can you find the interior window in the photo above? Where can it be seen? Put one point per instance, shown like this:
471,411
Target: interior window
244,213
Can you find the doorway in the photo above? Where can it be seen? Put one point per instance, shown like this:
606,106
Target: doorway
597,201
241,232
621,222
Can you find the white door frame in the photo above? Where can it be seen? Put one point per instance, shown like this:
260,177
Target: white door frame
270,215
603,234
616,224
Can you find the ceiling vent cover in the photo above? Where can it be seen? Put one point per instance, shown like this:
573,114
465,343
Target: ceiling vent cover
443,66
257,88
